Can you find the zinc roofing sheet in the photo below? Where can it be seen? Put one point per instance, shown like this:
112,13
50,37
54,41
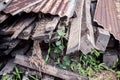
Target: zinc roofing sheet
54,7
107,14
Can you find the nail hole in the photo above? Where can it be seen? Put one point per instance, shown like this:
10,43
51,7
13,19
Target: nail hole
4,3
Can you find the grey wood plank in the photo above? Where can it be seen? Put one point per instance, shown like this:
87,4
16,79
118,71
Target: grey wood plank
75,30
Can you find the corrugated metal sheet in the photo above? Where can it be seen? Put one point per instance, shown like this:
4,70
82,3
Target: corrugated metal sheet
107,15
54,7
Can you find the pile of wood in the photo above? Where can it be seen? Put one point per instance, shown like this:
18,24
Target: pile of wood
24,37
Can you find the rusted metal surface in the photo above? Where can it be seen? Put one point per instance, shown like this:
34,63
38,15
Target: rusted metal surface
108,15
54,7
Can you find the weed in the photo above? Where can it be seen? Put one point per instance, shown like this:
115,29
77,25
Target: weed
58,45
33,77
118,74
5,77
17,74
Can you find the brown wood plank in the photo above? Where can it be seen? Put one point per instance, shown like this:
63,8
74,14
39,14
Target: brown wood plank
26,33
52,24
51,70
22,26
40,32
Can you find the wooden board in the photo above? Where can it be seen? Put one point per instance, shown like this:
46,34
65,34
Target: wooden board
8,68
22,26
75,30
52,24
39,31
102,39
26,33
51,70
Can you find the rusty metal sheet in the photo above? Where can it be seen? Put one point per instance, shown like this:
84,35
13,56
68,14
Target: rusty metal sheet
19,5
54,7
107,14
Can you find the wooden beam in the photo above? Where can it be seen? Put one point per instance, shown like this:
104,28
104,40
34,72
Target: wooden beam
26,33
52,24
51,70
39,31
75,30
22,26
102,40
8,68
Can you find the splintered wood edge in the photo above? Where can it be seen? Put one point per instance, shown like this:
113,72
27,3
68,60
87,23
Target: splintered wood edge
51,70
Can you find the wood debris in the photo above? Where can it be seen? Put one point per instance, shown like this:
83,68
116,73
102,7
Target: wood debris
31,28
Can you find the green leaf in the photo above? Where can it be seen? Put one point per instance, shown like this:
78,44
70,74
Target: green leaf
118,74
34,78
63,28
58,43
57,50
61,47
63,66
5,77
97,54
66,60
60,33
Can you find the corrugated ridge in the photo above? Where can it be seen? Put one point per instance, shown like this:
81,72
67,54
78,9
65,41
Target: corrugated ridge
54,7
106,15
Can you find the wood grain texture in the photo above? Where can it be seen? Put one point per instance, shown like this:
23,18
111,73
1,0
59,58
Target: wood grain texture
51,70
75,30
22,26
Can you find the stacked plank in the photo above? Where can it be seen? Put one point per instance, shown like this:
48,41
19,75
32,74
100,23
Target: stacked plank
28,28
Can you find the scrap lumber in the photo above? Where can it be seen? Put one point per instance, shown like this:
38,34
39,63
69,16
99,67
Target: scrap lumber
89,22
102,39
8,68
75,30
26,33
39,32
52,24
51,70
36,58
21,50
3,17
22,26
12,45
87,38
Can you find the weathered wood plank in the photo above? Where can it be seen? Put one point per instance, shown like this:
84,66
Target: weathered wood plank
52,24
102,40
26,33
22,26
22,50
3,17
11,46
75,30
39,32
51,70
87,39
89,22
8,68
